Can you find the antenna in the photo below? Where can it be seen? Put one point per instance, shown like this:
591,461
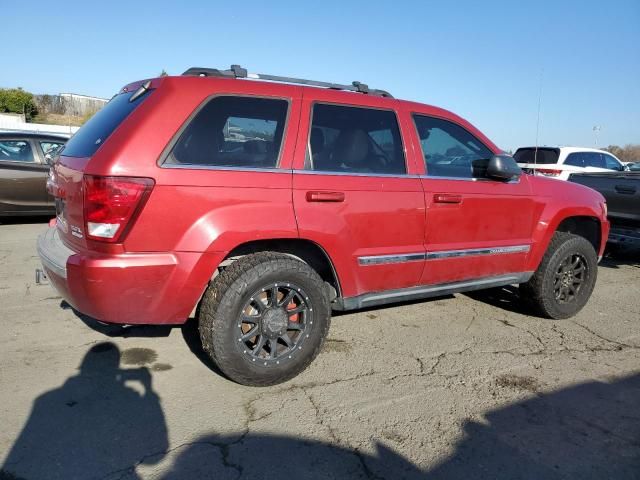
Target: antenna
535,154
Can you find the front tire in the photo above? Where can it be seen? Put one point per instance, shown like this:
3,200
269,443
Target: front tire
565,278
264,318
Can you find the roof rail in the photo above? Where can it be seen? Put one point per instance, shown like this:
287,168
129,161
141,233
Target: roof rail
236,71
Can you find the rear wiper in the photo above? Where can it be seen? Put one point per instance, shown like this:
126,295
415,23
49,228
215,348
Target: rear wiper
144,88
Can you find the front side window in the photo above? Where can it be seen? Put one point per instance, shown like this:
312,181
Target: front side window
611,163
449,150
355,140
16,151
243,132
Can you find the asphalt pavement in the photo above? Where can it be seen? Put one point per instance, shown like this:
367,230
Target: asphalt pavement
465,386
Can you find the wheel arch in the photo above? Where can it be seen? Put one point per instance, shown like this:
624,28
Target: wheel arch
584,223
304,250
585,226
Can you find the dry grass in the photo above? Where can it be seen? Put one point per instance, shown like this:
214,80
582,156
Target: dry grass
58,119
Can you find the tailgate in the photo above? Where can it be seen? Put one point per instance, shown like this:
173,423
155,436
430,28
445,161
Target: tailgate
66,178
65,184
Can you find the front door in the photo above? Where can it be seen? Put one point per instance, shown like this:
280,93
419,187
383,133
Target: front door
355,194
476,227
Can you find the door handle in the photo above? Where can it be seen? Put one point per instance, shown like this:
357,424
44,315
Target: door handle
447,198
625,189
325,196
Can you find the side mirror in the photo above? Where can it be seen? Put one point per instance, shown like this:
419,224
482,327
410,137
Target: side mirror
503,167
48,158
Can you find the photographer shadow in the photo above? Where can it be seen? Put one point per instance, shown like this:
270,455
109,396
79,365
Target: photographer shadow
104,419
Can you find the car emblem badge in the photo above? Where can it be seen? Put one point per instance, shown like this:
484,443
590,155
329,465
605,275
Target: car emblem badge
76,232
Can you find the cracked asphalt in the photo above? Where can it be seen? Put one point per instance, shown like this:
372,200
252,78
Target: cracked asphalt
465,386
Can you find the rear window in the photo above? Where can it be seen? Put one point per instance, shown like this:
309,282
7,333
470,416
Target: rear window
94,133
544,155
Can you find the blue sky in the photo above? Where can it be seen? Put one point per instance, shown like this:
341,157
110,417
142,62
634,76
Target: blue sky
484,60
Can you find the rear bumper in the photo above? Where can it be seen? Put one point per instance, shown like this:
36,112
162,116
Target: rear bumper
140,288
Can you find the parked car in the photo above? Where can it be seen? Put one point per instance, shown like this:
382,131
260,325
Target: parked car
622,192
266,204
561,162
24,169
633,166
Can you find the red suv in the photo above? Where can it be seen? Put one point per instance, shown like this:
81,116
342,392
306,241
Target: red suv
263,205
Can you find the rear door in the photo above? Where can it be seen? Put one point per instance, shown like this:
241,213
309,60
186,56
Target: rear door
355,194
476,227
23,177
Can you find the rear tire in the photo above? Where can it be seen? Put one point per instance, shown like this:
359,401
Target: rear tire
264,318
565,278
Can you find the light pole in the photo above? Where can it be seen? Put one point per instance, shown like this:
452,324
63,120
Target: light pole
596,130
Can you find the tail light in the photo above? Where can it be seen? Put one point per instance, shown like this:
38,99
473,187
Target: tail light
549,173
111,205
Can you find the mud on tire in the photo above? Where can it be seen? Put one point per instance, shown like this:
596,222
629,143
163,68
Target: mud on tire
264,318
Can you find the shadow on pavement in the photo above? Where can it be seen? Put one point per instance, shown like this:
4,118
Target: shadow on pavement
189,332
102,420
107,422
588,431
616,256
191,336
508,298
115,330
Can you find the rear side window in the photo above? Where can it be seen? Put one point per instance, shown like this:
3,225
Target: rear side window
585,159
93,134
347,139
244,132
575,160
539,155
50,148
16,151
449,150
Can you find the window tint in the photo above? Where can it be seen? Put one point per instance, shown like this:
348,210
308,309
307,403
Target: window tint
594,159
611,163
449,150
587,159
542,156
576,159
16,151
241,132
92,135
355,140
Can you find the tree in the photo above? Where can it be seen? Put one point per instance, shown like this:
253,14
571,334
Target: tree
628,153
16,100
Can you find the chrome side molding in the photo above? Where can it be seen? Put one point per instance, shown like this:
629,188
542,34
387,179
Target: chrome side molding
412,257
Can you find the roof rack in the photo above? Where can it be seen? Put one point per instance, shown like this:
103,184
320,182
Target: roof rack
236,71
